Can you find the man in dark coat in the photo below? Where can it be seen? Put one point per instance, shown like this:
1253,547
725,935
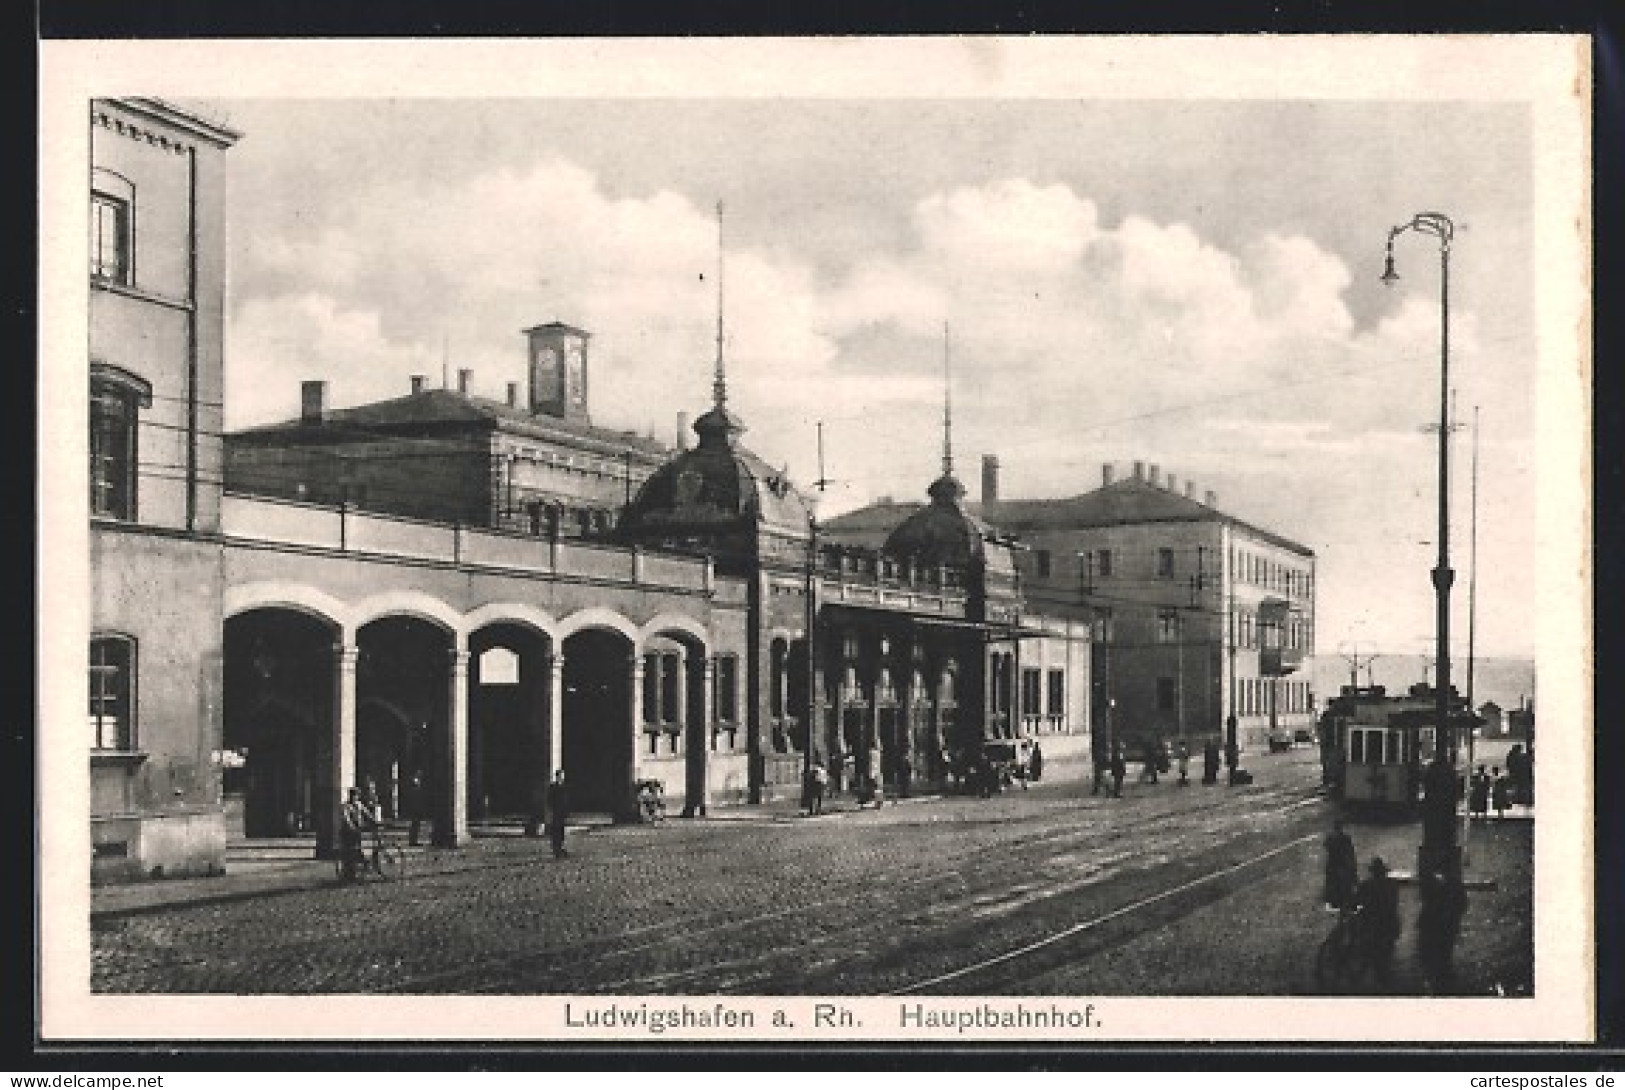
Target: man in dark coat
412,805
1378,899
1119,770
558,812
1210,763
1342,869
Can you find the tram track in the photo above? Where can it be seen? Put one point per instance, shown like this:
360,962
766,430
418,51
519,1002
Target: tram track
682,945
848,920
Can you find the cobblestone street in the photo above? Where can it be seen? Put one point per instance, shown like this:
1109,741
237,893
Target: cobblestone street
1170,890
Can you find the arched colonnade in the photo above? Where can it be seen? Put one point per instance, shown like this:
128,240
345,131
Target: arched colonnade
456,716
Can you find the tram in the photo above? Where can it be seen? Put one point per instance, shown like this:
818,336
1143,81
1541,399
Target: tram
1374,746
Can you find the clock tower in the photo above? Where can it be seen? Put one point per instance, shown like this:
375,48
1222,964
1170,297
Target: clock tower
558,371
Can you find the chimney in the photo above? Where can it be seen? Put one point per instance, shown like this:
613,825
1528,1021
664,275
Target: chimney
312,401
1139,471
465,379
1107,474
1173,485
1155,474
1210,499
1190,490
513,395
682,431
990,478
417,384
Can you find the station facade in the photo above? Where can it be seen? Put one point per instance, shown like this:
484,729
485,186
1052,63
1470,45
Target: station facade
285,612
1198,616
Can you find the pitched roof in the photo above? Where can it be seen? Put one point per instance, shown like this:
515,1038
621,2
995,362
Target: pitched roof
1123,503
442,410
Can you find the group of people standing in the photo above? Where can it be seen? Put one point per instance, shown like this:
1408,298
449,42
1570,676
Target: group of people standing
1157,760
1500,790
1373,902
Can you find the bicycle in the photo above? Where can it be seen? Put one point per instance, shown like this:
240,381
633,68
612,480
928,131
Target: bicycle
1344,959
382,859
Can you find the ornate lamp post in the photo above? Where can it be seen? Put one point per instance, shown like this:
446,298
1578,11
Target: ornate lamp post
1439,830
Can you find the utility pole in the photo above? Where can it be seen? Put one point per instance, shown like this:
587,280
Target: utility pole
1232,748
813,687
1438,849
1472,617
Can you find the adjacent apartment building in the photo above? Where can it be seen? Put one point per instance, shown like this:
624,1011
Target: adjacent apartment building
157,256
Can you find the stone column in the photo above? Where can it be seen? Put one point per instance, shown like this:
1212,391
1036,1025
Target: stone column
555,713
451,830
708,715
682,700
634,675
342,769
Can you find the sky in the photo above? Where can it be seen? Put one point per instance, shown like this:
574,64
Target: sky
1190,283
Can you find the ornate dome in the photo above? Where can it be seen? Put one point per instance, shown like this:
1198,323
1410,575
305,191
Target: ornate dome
716,488
942,533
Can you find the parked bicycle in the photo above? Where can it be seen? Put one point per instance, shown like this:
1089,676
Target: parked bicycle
1344,961
651,801
380,858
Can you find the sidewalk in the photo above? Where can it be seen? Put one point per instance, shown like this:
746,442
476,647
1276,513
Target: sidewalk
260,868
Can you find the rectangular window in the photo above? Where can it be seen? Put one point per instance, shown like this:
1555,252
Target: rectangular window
1057,693
112,670
669,711
1165,694
1032,691
651,689
1167,626
727,689
1165,563
1101,631
1103,563
109,238
1041,557
112,451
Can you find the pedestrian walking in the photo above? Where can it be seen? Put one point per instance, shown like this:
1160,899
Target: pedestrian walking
1210,763
412,802
1148,774
1182,753
1342,869
1119,770
1478,794
1500,792
558,812
357,819
1378,901
905,773
1444,902
1035,766
1518,774
820,785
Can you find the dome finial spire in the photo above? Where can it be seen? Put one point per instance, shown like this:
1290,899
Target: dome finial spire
947,408
719,388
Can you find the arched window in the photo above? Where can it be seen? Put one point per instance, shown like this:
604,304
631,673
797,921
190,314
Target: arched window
112,227
116,397
112,693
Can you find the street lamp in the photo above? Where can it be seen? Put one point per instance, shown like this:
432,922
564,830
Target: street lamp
1439,830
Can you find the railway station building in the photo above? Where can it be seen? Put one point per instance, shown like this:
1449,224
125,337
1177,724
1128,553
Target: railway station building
1196,614
469,593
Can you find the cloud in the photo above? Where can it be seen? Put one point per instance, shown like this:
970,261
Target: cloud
1074,342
